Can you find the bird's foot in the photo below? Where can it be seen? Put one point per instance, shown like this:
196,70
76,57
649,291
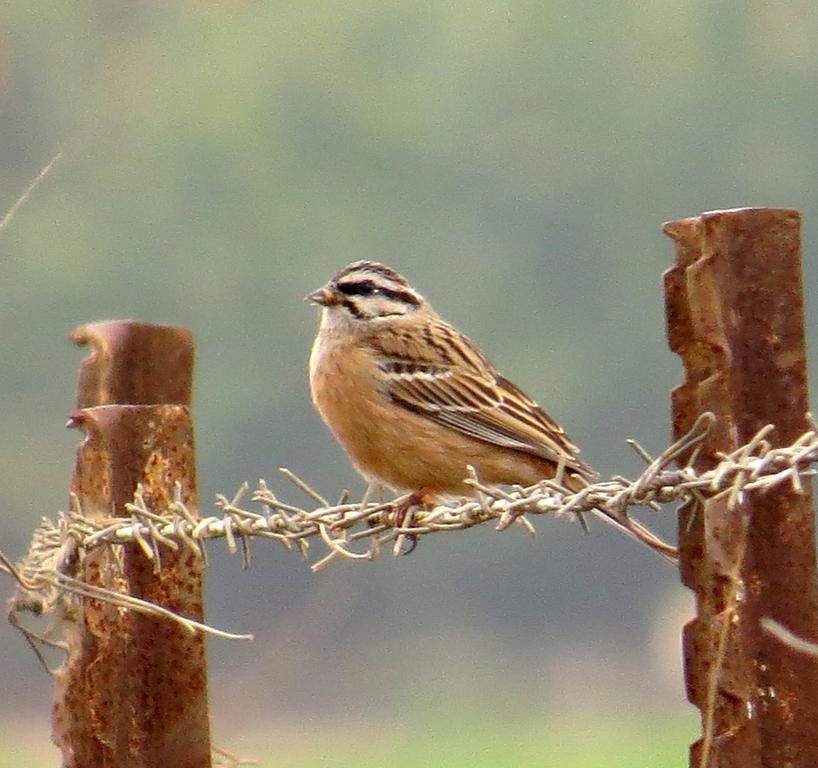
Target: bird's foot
399,513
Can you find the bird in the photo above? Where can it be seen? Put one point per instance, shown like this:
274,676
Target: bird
414,402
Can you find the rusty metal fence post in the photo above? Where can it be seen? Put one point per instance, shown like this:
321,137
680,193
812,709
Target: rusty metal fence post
133,693
735,316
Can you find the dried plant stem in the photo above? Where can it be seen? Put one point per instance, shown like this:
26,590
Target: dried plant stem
27,192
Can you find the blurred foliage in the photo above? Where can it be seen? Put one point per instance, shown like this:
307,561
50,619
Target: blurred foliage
514,159
449,741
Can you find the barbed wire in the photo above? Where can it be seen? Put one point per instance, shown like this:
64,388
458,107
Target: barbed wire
47,576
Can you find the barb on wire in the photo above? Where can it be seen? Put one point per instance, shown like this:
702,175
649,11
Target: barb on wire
358,531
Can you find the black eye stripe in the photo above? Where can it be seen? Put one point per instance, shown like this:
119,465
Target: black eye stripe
405,296
357,287
368,287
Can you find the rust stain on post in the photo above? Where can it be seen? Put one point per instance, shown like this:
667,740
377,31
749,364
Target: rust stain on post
134,690
735,316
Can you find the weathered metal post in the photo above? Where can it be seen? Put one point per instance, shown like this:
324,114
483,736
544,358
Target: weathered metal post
735,316
133,693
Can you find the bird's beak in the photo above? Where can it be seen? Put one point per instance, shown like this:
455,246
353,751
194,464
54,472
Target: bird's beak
323,296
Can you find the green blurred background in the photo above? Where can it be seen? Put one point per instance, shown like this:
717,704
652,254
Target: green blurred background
515,160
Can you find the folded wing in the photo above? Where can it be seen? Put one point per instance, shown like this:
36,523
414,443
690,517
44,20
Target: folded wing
450,381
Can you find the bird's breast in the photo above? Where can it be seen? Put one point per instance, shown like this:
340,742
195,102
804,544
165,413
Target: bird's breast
344,389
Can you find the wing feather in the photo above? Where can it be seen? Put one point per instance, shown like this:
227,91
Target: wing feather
442,376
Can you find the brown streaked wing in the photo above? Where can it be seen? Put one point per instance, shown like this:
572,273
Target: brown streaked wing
447,379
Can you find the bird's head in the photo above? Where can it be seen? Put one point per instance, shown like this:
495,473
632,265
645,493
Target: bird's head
366,291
